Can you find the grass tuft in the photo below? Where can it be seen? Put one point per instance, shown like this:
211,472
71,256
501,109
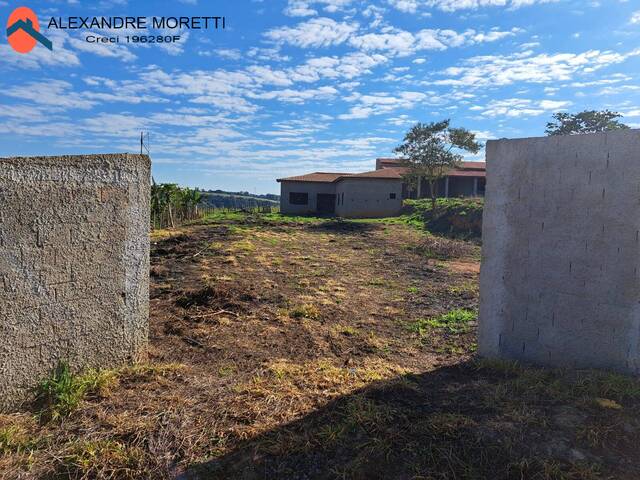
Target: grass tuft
454,322
102,459
60,394
305,311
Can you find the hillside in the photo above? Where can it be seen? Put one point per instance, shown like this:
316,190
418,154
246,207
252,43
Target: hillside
222,199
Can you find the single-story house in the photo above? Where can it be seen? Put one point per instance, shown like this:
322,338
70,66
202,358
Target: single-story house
378,193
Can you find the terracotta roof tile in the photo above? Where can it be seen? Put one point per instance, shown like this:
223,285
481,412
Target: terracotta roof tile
389,169
326,177
394,173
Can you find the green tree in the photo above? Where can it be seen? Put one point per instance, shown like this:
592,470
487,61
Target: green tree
190,198
431,150
589,121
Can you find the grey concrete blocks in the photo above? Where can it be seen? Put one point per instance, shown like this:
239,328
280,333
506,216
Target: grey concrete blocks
560,281
74,265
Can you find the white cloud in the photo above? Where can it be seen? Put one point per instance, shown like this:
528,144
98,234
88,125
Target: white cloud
403,43
519,107
407,6
317,32
379,103
298,96
412,6
635,17
303,8
57,94
40,56
497,70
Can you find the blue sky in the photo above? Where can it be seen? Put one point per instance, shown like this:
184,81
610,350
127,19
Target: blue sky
300,85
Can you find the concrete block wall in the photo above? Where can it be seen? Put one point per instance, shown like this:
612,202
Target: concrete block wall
74,265
560,277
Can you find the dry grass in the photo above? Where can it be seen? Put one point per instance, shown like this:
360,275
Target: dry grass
306,349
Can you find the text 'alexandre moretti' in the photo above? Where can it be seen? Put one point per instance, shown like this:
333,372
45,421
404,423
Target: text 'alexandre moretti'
196,23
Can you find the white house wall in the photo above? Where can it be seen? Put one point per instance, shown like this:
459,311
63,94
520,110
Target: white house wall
311,188
364,197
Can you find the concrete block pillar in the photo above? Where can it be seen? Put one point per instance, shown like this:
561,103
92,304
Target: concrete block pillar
561,251
74,257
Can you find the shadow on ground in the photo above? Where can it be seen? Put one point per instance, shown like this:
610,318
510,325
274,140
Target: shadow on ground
461,422
342,226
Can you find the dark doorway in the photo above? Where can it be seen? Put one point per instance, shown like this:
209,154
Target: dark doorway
326,203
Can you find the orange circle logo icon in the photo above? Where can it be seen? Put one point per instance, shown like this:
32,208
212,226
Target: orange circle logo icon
23,29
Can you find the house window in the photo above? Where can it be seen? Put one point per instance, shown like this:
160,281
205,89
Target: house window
392,196
298,198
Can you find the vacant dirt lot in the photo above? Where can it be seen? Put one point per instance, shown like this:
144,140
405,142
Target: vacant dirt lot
304,349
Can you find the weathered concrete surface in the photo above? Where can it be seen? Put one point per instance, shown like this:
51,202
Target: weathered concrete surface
559,283
74,265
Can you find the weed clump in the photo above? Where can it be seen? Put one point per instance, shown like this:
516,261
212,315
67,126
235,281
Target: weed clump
60,394
102,459
454,322
16,439
305,311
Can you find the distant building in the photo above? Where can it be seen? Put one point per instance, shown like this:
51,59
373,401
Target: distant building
378,193
468,180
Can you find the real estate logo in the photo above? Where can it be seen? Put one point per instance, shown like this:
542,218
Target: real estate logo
23,31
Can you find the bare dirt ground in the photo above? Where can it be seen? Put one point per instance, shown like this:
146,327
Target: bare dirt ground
310,349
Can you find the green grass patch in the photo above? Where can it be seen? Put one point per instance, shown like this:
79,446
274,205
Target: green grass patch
282,218
60,394
16,439
454,322
102,459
